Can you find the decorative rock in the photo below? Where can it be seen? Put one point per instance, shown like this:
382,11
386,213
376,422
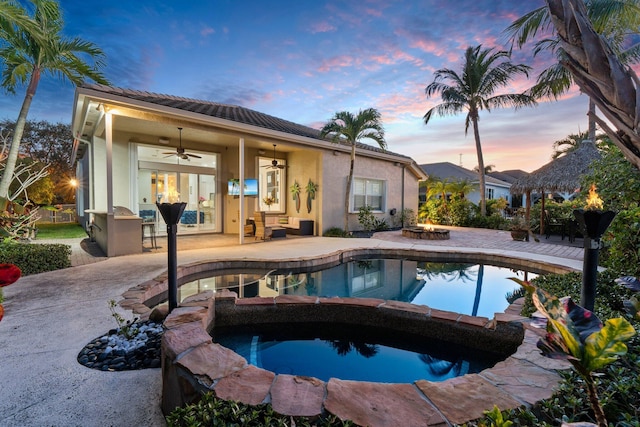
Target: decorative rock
114,352
384,405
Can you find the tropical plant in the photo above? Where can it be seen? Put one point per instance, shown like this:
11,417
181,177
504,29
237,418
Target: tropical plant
599,69
346,128
578,336
460,189
573,141
9,274
632,305
474,90
613,19
33,47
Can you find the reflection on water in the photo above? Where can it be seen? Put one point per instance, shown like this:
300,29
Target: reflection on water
333,351
474,289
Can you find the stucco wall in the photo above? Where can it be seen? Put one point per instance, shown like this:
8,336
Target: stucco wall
335,172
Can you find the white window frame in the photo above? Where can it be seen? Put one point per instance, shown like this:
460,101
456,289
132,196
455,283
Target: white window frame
366,182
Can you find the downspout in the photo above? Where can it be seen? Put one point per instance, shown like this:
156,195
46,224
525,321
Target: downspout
404,167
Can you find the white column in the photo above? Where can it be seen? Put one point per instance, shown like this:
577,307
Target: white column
109,141
241,211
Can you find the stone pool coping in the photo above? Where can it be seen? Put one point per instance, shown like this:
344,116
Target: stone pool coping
192,363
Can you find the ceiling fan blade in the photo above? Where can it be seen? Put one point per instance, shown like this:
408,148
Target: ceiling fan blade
281,166
193,155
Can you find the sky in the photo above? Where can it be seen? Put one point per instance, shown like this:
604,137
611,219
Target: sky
304,60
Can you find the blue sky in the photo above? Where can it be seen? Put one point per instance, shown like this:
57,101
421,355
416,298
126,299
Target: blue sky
304,60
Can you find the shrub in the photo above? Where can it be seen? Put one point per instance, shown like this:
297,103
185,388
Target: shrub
36,258
335,232
211,411
618,383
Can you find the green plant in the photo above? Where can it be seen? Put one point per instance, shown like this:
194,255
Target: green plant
632,305
211,411
366,218
335,232
406,218
496,418
126,328
577,335
36,258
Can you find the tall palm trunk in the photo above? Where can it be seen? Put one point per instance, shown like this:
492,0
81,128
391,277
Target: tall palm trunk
347,196
592,120
476,134
12,157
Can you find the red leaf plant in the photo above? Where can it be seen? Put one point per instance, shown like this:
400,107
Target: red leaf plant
9,273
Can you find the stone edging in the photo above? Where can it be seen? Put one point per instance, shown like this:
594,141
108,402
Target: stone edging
192,364
137,298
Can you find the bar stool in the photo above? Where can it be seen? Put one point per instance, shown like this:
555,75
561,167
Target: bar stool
151,226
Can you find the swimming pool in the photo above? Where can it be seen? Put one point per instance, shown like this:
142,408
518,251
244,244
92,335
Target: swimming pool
476,289
352,353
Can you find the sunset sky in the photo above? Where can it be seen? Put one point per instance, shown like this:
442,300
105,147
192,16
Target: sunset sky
304,60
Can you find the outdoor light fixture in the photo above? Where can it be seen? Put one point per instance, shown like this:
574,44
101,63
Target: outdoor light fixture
171,213
593,222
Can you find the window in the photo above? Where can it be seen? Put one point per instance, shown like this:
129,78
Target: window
368,192
271,183
489,193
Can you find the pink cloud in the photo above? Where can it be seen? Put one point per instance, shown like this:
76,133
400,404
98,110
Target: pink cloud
336,62
206,31
322,27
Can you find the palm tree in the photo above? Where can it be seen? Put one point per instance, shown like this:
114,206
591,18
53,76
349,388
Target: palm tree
573,141
473,91
461,188
487,169
36,48
613,19
347,128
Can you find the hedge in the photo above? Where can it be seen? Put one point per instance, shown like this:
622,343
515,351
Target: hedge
35,258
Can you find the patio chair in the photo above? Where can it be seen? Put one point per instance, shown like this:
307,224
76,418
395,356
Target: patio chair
262,231
552,226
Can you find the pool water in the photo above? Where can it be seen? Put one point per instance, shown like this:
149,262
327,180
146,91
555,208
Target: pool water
326,352
473,289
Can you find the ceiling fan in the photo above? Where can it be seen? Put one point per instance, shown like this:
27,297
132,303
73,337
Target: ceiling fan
180,153
274,163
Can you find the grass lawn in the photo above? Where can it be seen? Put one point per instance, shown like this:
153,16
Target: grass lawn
60,231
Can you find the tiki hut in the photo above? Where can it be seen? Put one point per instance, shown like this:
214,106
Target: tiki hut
560,175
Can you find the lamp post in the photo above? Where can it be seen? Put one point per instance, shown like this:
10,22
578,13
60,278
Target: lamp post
171,213
593,222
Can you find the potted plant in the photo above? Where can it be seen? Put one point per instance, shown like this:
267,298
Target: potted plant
519,228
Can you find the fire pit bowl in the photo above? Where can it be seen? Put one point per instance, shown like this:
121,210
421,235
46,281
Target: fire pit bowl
425,234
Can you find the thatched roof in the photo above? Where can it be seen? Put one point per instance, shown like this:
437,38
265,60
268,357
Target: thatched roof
561,174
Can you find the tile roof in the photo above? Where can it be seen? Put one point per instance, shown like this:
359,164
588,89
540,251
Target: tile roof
447,170
233,113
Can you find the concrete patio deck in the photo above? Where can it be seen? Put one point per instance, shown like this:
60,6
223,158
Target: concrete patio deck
50,316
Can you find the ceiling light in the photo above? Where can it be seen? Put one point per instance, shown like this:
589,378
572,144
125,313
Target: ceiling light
163,140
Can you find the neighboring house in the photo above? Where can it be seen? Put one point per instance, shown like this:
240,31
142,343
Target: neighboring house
495,188
511,176
130,154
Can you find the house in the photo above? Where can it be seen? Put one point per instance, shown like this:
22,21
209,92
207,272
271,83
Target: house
134,149
495,188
